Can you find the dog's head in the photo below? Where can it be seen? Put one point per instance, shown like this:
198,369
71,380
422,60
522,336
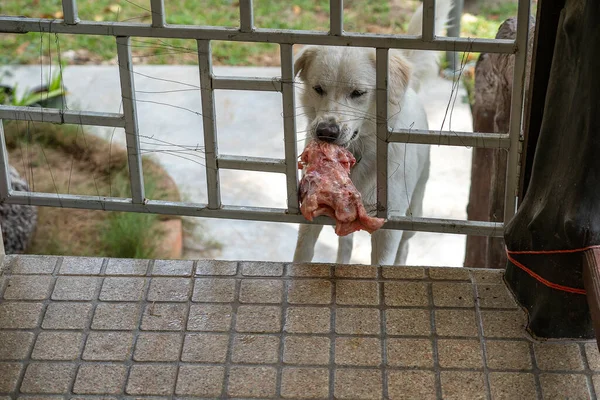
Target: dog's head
338,95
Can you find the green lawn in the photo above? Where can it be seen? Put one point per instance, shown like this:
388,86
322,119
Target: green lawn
389,16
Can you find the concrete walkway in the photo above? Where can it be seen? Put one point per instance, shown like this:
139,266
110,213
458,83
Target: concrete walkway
250,123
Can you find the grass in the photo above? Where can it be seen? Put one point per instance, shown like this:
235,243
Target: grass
381,16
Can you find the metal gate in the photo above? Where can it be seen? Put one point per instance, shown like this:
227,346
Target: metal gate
123,31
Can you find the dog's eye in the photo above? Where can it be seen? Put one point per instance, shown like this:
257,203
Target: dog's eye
319,90
356,93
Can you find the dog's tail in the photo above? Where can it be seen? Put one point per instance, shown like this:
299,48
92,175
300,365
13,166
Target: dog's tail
426,63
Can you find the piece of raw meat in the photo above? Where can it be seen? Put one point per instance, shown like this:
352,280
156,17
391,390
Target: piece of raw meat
326,189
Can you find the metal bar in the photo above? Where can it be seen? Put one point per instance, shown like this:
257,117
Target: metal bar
251,163
5,181
158,13
246,16
134,154
289,127
70,12
516,111
282,36
260,84
470,139
209,123
382,130
428,20
336,17
57,116
454,31
244,213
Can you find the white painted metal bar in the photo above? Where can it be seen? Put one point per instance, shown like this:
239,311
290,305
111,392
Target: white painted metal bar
70,12
336,17
5,181
470,139
259,164
244,213
134,154
289,127
59,116
209,123
516,111
381,86
260,84
246,16
24,25
158,13
428,20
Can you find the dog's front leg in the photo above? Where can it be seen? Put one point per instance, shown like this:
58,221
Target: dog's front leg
307,239
344,249
384,246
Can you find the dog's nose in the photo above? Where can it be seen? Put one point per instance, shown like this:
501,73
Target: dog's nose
328,132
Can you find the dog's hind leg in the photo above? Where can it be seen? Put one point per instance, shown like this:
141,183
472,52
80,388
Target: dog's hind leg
384,246
344,249
307,239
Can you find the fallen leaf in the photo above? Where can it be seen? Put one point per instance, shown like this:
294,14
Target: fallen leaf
98,18
21,49
58,15
297,10
114,8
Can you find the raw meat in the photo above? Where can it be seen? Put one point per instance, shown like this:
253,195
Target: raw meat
326,189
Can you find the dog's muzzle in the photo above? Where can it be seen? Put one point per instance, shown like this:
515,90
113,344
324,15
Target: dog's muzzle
327,132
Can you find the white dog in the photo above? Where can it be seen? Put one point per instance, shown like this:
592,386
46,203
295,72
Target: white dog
338,97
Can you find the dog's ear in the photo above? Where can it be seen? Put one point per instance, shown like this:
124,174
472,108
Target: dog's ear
303,61
399,74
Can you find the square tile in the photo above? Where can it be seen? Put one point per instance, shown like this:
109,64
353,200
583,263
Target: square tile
47,377
262,269
25,287
355,271
216,267
116,316
123,289
446,294
252,381
413,353
200,381
255,349
504,324
57,346
357,321
408,322
492,276
164,317
591,351
357,292
214,290
400,294
456,323
564,386
307,320
209,317
508,354
33,265
512,385
157,347
9,376
309,270
173,267
364,351
495,296
76,288
125,266
451,274
151,379
401,272
169,289
108,346
411,385
18,315
15,345
258,319
100,379
305,383
358,384
558,356
309,291
81,266
261,291
462,385
306,350
67,316
201,347
596,383
460,353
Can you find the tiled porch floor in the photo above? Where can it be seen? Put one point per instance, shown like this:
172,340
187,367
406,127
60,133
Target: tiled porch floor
108,328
